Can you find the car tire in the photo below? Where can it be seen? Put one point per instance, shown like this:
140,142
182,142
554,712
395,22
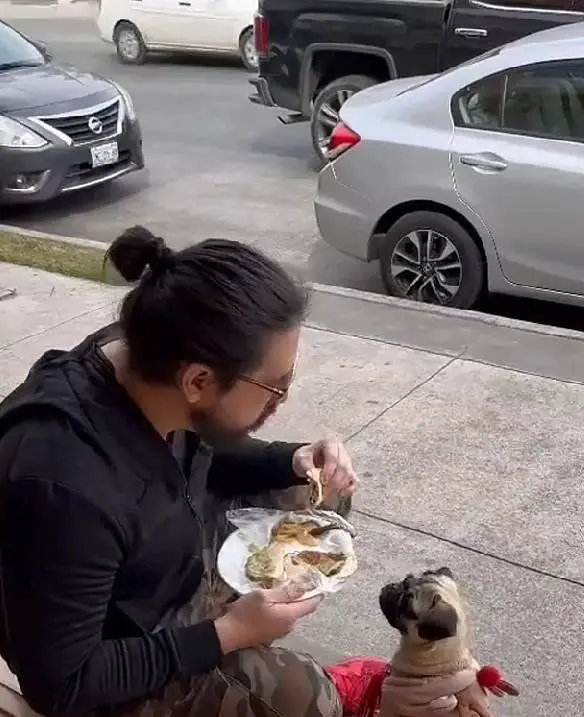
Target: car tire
332,97
247,50
452,275
130,46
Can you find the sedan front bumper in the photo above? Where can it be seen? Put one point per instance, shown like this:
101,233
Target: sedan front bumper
37,175
344,217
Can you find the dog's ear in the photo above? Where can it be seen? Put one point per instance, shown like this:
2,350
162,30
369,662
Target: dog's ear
447,572
390,602
440,624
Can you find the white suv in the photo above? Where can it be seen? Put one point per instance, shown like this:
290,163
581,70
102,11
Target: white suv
137,27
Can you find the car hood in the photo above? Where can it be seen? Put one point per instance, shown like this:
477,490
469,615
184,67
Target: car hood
379,94
50,85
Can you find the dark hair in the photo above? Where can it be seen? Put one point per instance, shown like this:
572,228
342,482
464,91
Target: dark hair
214,303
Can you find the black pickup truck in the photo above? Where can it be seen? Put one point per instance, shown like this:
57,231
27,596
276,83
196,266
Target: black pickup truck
314,54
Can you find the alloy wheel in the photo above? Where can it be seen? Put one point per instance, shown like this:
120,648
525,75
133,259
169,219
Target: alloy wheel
328,117
426,266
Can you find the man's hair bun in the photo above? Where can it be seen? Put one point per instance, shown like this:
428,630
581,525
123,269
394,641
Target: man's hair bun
136,249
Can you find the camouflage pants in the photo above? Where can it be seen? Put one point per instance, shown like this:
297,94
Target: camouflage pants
258,682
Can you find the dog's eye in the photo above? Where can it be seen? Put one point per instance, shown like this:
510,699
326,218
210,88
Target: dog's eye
435,600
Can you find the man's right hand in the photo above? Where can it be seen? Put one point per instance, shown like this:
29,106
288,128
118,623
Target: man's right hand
262,616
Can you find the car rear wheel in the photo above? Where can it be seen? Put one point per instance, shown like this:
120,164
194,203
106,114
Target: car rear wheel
327,105
248,51
430,257
129,44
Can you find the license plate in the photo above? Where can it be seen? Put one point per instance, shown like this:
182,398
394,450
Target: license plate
104,154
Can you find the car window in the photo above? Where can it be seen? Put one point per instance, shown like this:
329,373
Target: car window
535,4
481,104
542,101
15,50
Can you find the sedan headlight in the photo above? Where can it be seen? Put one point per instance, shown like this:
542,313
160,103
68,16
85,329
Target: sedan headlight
128,103
16,135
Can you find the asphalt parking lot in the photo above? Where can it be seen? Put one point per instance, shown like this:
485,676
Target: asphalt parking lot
216,166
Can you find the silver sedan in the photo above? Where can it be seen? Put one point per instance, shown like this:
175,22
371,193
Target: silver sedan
467,181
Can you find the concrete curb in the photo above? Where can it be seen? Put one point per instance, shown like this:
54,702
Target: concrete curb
358,295
75,241
476,316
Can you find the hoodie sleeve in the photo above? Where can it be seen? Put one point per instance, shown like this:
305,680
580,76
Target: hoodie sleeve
59,558
253,467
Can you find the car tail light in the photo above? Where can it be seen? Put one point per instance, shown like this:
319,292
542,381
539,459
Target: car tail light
261,34
341,139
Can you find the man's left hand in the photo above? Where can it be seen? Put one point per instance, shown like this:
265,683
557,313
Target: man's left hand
333,460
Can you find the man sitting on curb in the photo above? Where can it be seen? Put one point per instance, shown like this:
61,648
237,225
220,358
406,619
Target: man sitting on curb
108,539
118,461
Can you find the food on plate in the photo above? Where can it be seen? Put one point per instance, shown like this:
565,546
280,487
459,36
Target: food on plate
271,566
300,574
305,532
329,564
297,555
315,490
295,531
265,566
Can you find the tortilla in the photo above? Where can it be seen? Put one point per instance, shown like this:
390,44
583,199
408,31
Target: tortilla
272,567
290,531
329,564
265,566
315,487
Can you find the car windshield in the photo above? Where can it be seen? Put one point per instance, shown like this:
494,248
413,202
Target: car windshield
16,51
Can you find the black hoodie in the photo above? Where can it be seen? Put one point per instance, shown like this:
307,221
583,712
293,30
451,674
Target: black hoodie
100,538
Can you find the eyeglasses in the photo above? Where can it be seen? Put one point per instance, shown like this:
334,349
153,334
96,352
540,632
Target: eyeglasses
281,393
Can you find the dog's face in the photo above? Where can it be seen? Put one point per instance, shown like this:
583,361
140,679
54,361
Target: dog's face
426,608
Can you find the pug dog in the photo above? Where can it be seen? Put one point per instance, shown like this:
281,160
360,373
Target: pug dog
433,671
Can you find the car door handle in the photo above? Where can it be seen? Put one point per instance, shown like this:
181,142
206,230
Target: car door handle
184,4
471,31
484,160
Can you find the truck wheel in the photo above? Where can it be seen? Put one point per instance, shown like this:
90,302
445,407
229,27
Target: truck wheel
247,50
328,102
129,44
429,257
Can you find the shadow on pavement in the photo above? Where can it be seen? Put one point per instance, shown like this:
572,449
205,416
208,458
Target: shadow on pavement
78,203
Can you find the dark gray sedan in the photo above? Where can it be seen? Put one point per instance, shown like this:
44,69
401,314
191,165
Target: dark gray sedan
61,129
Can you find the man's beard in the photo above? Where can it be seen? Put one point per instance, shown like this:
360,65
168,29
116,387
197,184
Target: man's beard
214,432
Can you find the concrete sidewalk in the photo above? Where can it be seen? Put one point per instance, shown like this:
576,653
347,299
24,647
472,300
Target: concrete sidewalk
468,437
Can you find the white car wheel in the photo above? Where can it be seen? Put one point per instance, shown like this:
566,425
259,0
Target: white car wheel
130,46
248,50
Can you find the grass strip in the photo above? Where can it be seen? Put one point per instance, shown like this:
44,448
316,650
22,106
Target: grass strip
55,256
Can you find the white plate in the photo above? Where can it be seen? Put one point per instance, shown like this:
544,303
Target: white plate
254,526
104,154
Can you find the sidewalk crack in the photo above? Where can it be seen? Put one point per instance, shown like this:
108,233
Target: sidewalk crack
58,325
468,548
406,395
